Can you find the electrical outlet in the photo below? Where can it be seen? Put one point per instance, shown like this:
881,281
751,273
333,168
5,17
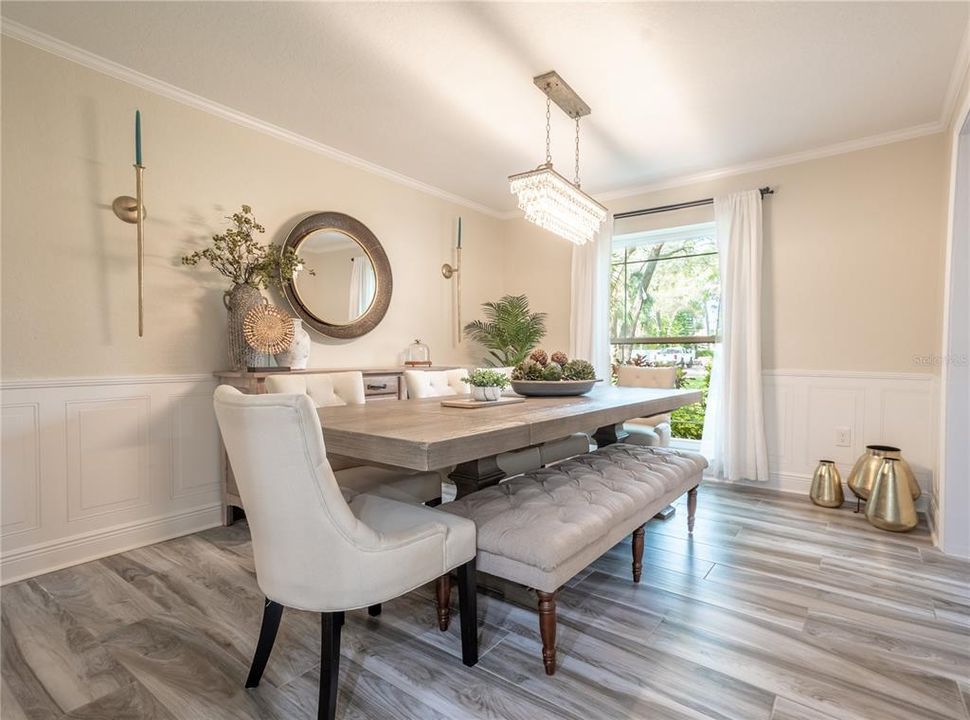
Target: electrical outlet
843,437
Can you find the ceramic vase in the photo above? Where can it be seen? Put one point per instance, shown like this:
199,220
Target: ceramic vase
297,355
864,472
827,485
239,300
490,394
890,505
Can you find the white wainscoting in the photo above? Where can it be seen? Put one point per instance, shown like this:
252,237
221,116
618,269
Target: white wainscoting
804,408
95,466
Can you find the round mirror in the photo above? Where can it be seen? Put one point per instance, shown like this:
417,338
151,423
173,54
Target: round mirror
350,288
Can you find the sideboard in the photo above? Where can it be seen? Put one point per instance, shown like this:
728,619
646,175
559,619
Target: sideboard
380,384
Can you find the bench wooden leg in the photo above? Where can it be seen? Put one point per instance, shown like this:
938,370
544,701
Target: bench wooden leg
691,508
547,629
443,601
637,553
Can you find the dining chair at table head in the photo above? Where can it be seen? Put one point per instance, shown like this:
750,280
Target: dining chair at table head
315,552
653,430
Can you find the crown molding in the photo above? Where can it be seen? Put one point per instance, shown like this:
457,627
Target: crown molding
52,45
72,53
957,78
792,159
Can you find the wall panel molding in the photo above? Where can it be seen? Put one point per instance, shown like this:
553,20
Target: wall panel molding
95,466
108,443
804,408
20,462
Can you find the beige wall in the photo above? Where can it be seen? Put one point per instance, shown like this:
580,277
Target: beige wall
853,262
68,275
538,264
853,252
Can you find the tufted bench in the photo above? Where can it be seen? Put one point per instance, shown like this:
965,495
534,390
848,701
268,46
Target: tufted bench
543,527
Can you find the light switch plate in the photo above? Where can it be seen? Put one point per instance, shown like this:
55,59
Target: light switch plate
843,437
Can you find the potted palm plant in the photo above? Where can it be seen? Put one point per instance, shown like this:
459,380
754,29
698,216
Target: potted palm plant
509,331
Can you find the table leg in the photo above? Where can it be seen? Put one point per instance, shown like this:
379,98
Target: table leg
609,434
475,475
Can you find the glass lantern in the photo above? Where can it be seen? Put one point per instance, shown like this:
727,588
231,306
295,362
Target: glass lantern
418,355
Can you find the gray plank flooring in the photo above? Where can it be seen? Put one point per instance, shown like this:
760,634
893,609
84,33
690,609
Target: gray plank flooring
773,610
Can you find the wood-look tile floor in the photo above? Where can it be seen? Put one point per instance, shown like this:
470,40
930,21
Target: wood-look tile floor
775,609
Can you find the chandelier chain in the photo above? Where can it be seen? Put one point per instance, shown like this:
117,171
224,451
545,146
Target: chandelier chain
548,143
576,182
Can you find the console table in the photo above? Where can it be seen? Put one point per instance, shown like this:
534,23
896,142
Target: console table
380,384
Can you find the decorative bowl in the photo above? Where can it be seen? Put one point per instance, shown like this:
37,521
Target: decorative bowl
548,388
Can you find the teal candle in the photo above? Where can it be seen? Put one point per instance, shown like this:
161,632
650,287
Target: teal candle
138,137
459,232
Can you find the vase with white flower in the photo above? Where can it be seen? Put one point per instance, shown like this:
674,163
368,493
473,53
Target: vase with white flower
251,266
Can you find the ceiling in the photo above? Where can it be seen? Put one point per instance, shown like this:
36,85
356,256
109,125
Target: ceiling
443,93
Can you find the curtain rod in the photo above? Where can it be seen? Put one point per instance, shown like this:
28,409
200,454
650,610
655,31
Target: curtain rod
679,206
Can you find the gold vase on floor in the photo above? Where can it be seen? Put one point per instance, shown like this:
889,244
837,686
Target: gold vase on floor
867,467
890,505
827,485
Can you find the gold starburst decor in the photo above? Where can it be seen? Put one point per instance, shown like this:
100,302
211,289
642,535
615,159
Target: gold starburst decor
268,329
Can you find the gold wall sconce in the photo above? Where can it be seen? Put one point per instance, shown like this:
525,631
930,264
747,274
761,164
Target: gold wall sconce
448,272
132,210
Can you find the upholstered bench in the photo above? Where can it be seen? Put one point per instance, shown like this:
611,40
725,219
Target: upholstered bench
543,527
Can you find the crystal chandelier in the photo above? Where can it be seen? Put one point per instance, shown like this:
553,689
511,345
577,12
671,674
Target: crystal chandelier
547,198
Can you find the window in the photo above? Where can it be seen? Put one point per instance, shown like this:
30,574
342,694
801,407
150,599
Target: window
664,297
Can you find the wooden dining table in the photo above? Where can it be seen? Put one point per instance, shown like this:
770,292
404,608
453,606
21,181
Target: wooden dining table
425,435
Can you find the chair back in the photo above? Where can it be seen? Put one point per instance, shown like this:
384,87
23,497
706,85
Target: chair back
303,532
435,383
325,389
647,377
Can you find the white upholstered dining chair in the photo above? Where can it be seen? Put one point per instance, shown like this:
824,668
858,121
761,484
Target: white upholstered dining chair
347,388
653,430
435,383
315,552
325,389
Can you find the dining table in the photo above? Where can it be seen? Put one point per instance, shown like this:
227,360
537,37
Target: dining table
423,434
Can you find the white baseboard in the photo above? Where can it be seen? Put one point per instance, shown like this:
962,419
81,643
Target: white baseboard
799,484
49,556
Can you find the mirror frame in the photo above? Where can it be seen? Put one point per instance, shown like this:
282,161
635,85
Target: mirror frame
362,235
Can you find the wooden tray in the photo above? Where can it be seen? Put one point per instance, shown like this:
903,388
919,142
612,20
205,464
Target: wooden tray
468,403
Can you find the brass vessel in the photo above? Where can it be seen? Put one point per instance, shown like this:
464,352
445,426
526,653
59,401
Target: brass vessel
827,485
866,468
890,505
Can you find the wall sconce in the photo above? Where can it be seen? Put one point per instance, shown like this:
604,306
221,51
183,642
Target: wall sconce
132,210
447,271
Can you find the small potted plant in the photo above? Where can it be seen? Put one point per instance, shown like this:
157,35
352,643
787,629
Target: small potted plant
487,385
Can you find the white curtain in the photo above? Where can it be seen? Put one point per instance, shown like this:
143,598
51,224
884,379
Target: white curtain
734,427
589,311
363,285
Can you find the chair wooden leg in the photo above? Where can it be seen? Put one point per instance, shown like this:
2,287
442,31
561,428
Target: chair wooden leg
443,601
468,606
374,610
637,553
330,624
547,629
272,612
691,508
